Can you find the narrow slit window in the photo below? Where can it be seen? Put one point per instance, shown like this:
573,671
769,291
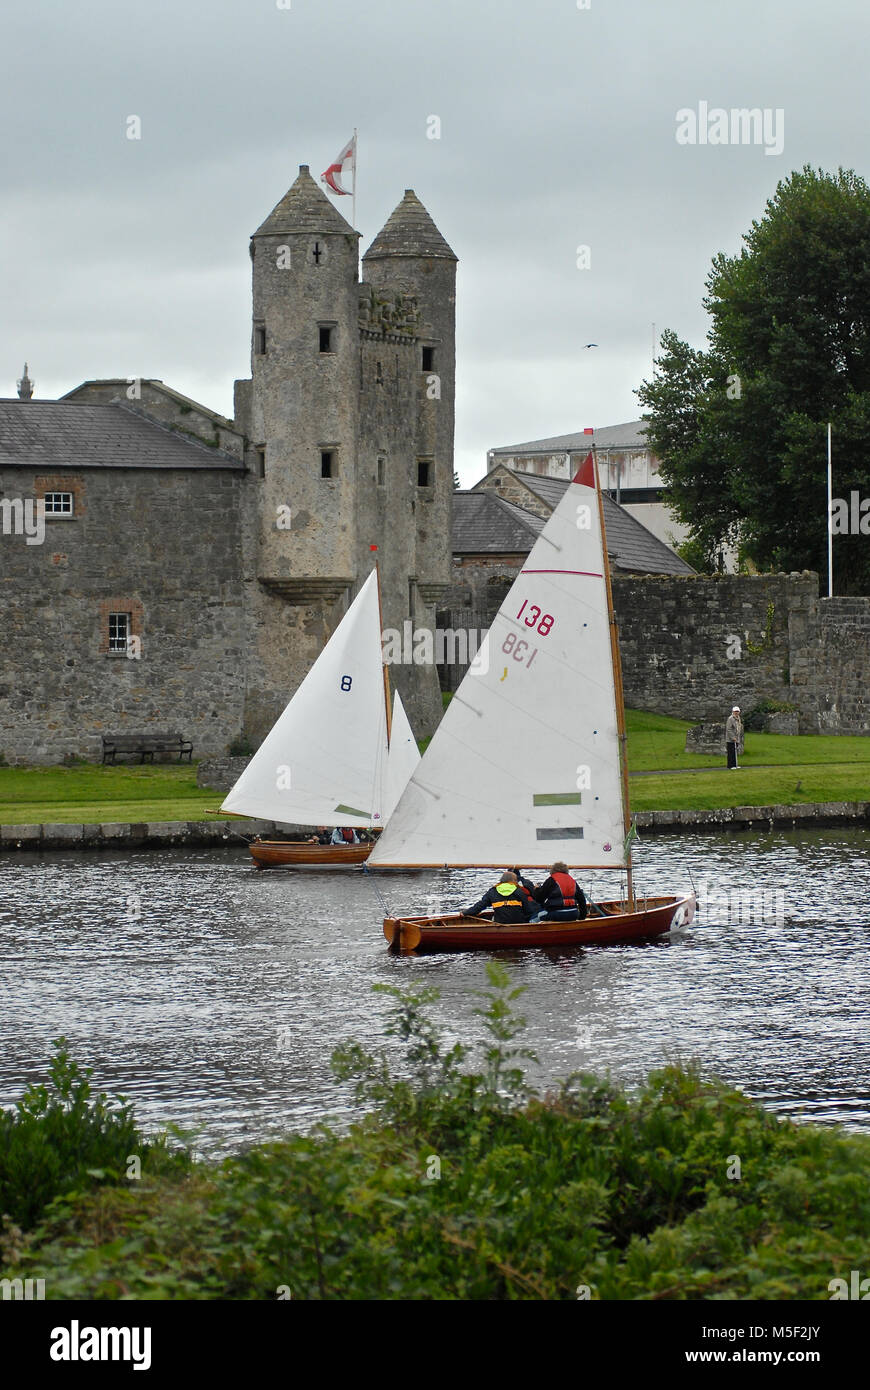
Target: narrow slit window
327,338
424,473
327,463
428,359
382,470
261,462
259,339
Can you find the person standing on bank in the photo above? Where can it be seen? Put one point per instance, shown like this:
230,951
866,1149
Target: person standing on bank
733,737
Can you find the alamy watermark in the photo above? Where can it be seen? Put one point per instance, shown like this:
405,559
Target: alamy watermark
741,125
850,518
23,516
422,646
732,907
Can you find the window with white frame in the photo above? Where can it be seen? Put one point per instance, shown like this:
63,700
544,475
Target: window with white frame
58,504
120,625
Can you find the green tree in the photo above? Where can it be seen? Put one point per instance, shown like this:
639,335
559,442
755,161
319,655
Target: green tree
741,426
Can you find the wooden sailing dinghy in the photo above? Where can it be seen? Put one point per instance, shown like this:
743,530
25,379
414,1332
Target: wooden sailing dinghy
335,757
528,764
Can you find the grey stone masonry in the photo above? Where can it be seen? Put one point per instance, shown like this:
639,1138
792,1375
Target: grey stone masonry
217,834
157,545
220,774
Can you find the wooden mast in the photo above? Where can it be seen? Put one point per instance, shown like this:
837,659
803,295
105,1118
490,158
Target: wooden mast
617,680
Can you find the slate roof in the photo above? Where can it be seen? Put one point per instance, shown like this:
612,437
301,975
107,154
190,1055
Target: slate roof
304,208
409,231
484,523
631,435
631,547
65,434
123,382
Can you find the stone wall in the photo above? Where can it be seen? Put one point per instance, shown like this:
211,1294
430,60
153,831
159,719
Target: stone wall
694,646
162,545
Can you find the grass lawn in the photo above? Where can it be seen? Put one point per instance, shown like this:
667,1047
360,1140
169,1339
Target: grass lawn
87,792
775,768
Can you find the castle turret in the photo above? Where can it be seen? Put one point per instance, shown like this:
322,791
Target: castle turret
349,422
408,307
303,417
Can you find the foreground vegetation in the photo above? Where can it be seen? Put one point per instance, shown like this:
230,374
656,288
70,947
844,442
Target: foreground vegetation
775,768
460,1184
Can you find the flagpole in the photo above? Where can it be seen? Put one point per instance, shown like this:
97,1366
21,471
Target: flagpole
353,207
830,523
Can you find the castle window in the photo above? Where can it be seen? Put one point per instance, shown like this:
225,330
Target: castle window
382,470
327,463
261,462
259,339
327,337
119,631
58,504
424,473
428,359
379,375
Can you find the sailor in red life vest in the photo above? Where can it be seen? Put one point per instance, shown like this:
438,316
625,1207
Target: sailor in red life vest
510,901
345,836
562,899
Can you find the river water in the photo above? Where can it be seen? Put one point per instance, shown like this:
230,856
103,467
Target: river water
212,994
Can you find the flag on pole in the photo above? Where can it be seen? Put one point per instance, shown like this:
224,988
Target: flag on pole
344,166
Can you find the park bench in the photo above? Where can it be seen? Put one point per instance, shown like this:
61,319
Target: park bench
146,745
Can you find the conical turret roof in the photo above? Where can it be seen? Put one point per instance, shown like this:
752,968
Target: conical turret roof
409,231
304,208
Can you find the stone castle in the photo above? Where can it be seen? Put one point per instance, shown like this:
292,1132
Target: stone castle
164,568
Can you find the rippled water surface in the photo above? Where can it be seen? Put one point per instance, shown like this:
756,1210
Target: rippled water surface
212,994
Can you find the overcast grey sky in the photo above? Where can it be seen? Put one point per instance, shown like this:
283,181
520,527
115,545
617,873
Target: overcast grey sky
558,130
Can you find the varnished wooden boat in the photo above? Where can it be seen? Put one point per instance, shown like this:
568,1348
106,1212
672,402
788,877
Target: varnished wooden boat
297,854
454,932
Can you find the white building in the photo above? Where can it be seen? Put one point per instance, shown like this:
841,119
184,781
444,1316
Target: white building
628,468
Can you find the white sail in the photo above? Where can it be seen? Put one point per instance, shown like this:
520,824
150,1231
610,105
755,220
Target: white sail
324,761
403,759
524,767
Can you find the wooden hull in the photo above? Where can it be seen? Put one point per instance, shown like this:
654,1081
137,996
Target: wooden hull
453,932
296,854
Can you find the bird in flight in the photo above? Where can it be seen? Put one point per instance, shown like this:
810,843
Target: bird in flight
588,345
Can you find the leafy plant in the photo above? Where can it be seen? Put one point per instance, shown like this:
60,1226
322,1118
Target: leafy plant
62,1137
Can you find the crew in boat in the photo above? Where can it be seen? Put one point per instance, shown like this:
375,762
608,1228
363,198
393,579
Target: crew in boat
510,900
344,835
562,899
321,838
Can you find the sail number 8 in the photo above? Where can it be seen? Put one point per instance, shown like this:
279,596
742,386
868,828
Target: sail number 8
534,619
346,682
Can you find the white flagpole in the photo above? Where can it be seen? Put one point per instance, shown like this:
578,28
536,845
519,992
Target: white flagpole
353,208
830,523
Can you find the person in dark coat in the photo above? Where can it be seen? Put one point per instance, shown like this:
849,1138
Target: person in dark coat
560,896
510,900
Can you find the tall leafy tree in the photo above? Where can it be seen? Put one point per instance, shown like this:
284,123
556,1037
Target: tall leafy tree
741,426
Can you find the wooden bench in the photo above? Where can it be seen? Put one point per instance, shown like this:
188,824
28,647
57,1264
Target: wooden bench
145,746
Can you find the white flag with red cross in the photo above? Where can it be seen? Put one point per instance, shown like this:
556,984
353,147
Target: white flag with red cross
343,167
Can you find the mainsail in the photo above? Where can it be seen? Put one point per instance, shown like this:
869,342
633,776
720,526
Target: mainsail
525,765
403,757
325,760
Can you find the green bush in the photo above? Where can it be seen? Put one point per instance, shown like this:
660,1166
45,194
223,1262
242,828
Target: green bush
61,1137
463,1183
756,716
